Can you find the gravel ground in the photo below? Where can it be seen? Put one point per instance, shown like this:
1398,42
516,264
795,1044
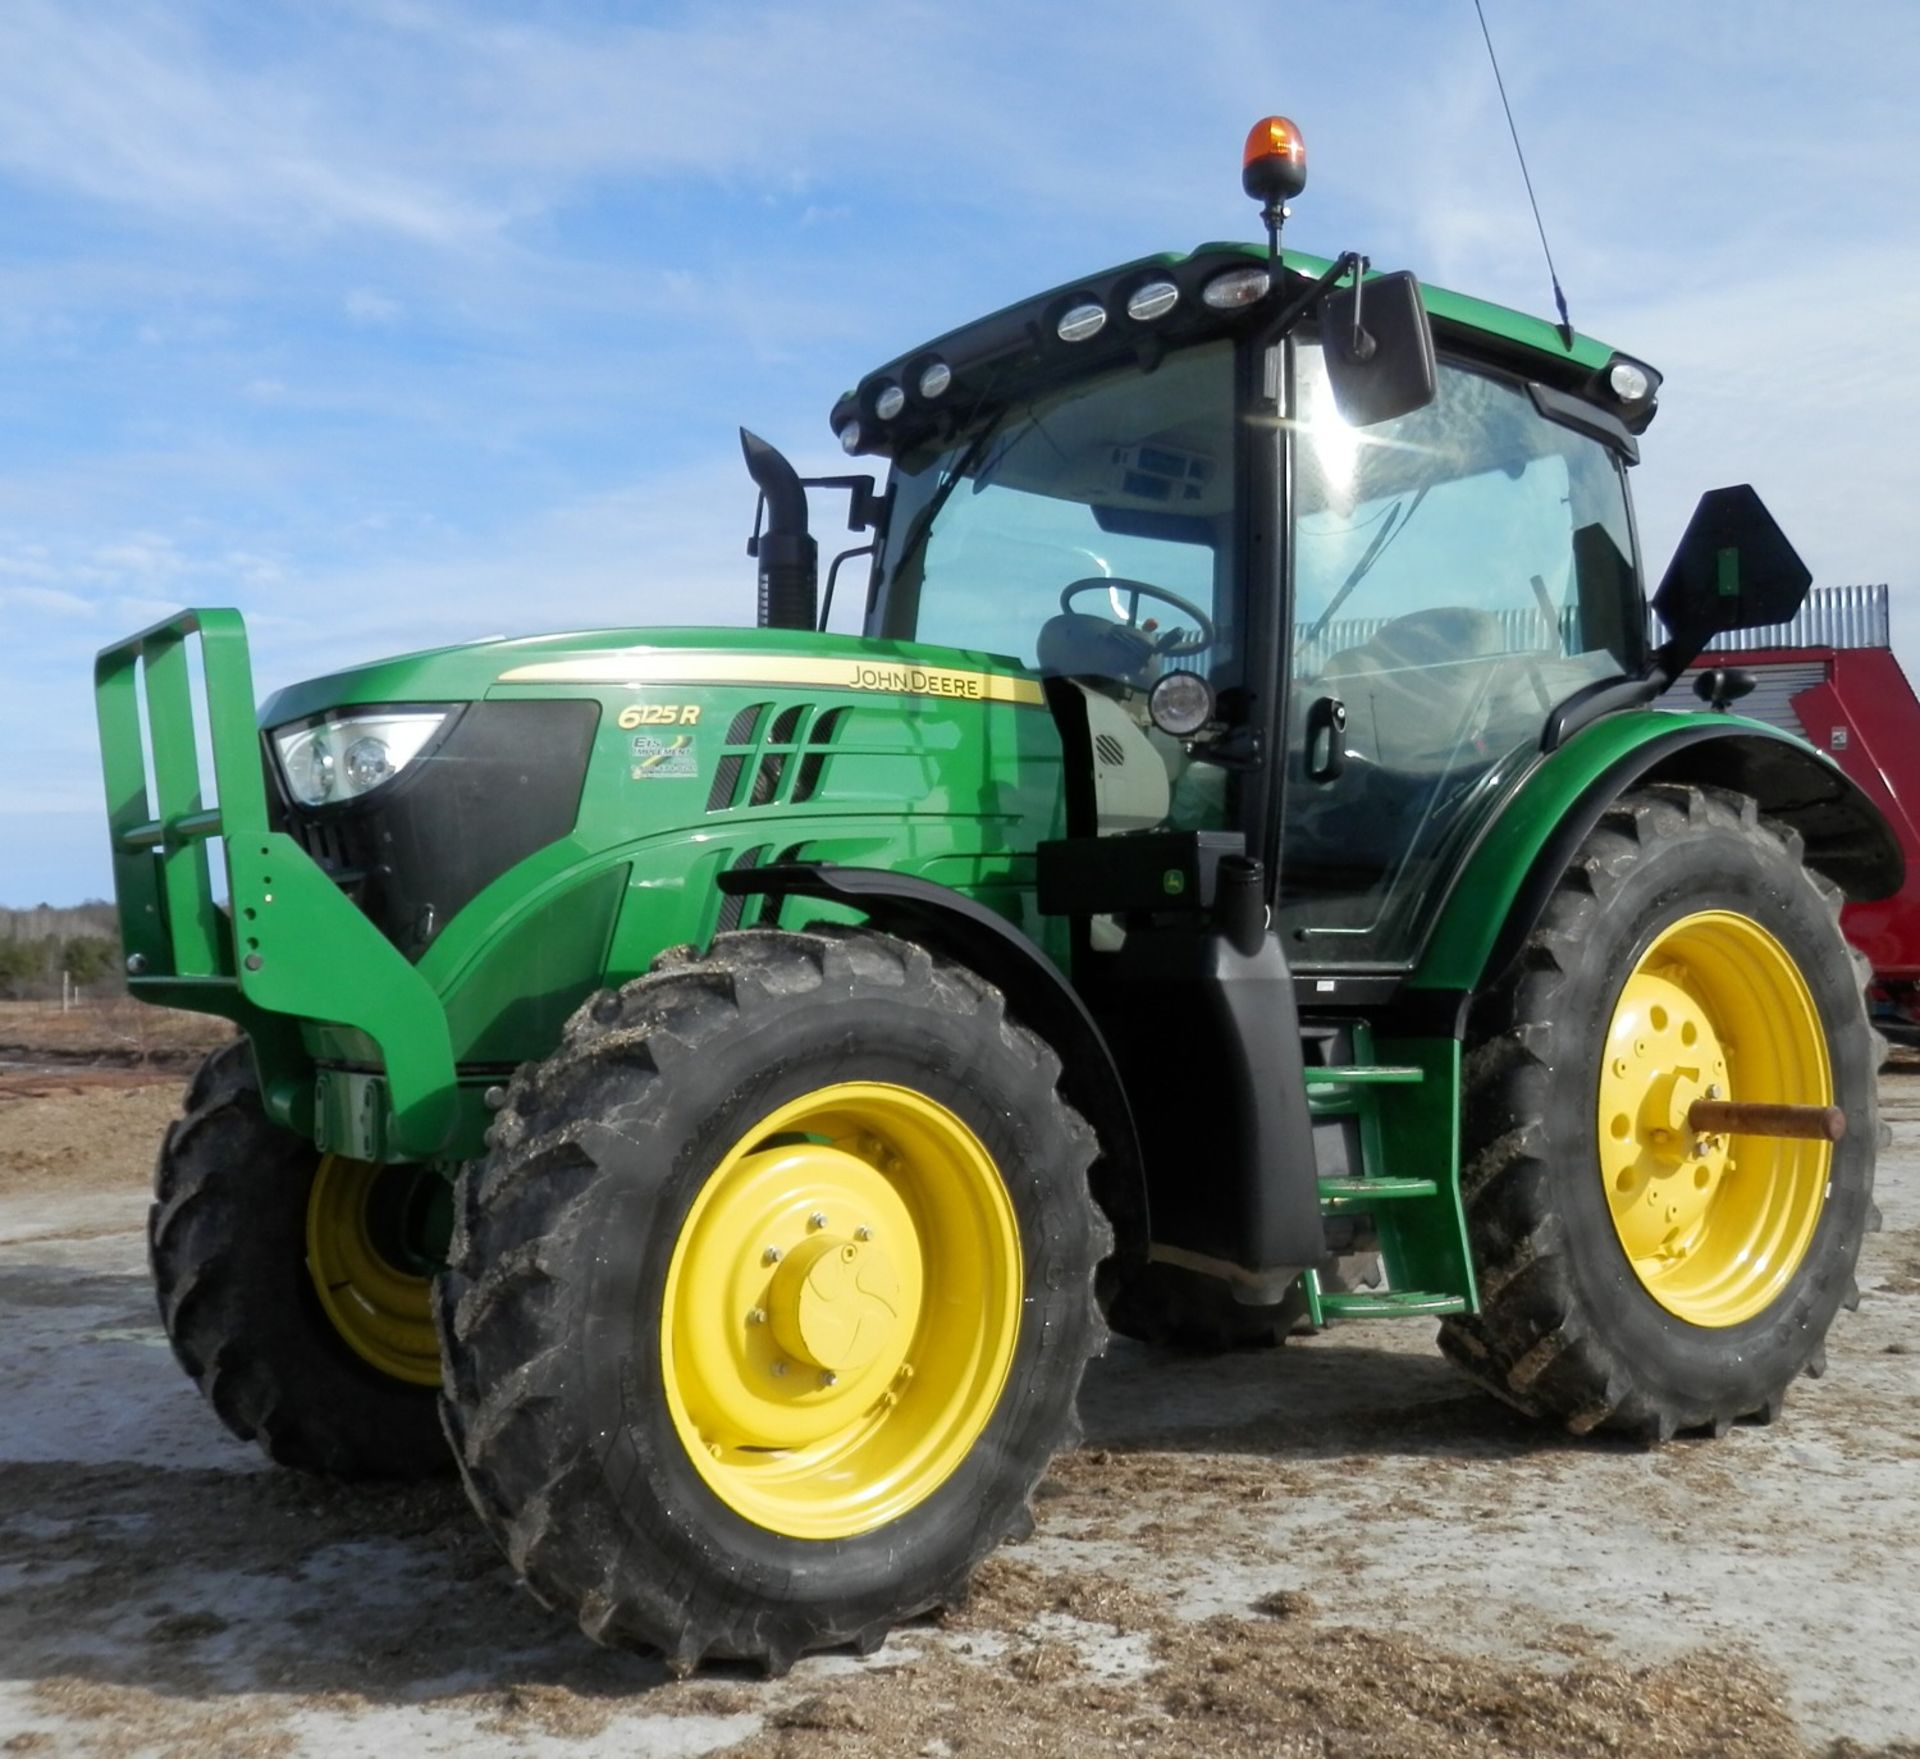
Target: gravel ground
1335,1549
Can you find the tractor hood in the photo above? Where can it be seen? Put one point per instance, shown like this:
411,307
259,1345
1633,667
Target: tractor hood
588,662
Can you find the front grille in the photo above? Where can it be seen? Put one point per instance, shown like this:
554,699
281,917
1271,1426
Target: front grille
504,782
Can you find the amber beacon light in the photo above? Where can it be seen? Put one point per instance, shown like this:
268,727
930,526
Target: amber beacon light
1274,167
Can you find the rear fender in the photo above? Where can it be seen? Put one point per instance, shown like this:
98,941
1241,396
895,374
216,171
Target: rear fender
1506,881
955,926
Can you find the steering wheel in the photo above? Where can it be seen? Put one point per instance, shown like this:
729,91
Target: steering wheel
1167,646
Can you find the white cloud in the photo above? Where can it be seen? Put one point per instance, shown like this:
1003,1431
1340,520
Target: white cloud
365,306
53,600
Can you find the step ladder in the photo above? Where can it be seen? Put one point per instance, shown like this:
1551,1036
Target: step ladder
1407,1110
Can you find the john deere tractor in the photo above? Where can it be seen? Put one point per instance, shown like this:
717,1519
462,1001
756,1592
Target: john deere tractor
714,1087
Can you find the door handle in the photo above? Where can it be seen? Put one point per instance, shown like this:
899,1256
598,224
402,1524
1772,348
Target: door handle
1326,739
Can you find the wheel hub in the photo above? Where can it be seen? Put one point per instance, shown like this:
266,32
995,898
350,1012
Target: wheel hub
1712,1225
835,1304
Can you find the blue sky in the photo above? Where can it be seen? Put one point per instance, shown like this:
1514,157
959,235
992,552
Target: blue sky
396,322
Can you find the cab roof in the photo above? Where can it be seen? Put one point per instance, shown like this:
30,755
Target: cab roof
1019,345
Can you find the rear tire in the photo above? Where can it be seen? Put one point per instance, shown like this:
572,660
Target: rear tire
227,1240
1569,1328
574,1360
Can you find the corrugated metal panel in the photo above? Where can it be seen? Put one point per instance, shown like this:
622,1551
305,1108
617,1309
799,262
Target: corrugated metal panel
1771,699
1833,616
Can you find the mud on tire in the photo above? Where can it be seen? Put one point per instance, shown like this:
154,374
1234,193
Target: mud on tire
1567,1331
551,1308
226,1237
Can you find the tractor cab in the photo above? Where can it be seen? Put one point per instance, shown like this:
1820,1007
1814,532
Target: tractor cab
1224,566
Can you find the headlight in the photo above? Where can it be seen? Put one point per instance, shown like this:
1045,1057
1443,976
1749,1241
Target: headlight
1180,703
350,752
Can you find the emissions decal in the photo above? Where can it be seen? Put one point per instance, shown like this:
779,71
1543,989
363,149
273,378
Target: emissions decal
656,760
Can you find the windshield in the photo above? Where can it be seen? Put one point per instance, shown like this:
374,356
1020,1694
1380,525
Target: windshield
1127,476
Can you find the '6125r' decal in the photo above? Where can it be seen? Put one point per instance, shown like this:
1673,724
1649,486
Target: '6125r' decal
659,714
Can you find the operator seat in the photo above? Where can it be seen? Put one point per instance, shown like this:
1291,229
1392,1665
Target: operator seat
1414,685
1416,691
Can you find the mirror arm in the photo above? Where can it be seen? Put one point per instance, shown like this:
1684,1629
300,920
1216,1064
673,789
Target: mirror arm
1363,342
1348,262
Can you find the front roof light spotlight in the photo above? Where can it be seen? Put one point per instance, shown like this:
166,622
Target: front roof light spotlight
889,401
1081,323
1152,300
850,437
935,379
1236,289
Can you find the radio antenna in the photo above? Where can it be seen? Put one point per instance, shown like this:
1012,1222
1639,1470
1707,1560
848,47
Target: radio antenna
1553,274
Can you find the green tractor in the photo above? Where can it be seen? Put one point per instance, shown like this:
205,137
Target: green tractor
715,1087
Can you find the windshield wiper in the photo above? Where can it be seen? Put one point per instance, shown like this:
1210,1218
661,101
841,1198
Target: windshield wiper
1389,530
916,533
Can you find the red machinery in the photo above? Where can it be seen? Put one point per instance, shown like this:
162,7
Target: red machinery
1830,676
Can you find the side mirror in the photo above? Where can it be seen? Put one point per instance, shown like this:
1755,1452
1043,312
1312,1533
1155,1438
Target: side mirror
1733,569
1378,348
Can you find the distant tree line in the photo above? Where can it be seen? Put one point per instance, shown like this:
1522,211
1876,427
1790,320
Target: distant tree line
40,943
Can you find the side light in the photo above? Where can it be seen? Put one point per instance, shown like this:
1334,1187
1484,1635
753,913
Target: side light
1235,289
1154,300
1180,703
890,402
347,753
935,380
1628,381
1079,323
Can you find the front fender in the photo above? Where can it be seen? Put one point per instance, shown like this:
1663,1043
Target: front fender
959,928
1500,890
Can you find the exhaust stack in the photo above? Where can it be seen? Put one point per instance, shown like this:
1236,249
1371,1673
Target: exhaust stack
788,557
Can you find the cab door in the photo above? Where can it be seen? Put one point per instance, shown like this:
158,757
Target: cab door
1453,576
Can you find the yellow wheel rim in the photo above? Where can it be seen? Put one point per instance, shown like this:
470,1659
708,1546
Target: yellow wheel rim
382,1310
841,1310
1714,1227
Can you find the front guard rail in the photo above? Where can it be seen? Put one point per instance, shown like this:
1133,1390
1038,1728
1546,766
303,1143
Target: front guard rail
291,945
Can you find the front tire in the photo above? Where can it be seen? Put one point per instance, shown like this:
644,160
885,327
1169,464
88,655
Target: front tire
1633,1276
231,1237
770,1303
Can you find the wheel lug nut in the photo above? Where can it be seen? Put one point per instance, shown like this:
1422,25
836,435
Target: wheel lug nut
771,1255
906,1371
779,1367
817,1219
757,1316
863,1233
829,1378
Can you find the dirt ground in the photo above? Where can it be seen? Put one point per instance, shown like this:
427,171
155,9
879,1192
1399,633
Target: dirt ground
1338,1549
115,1033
